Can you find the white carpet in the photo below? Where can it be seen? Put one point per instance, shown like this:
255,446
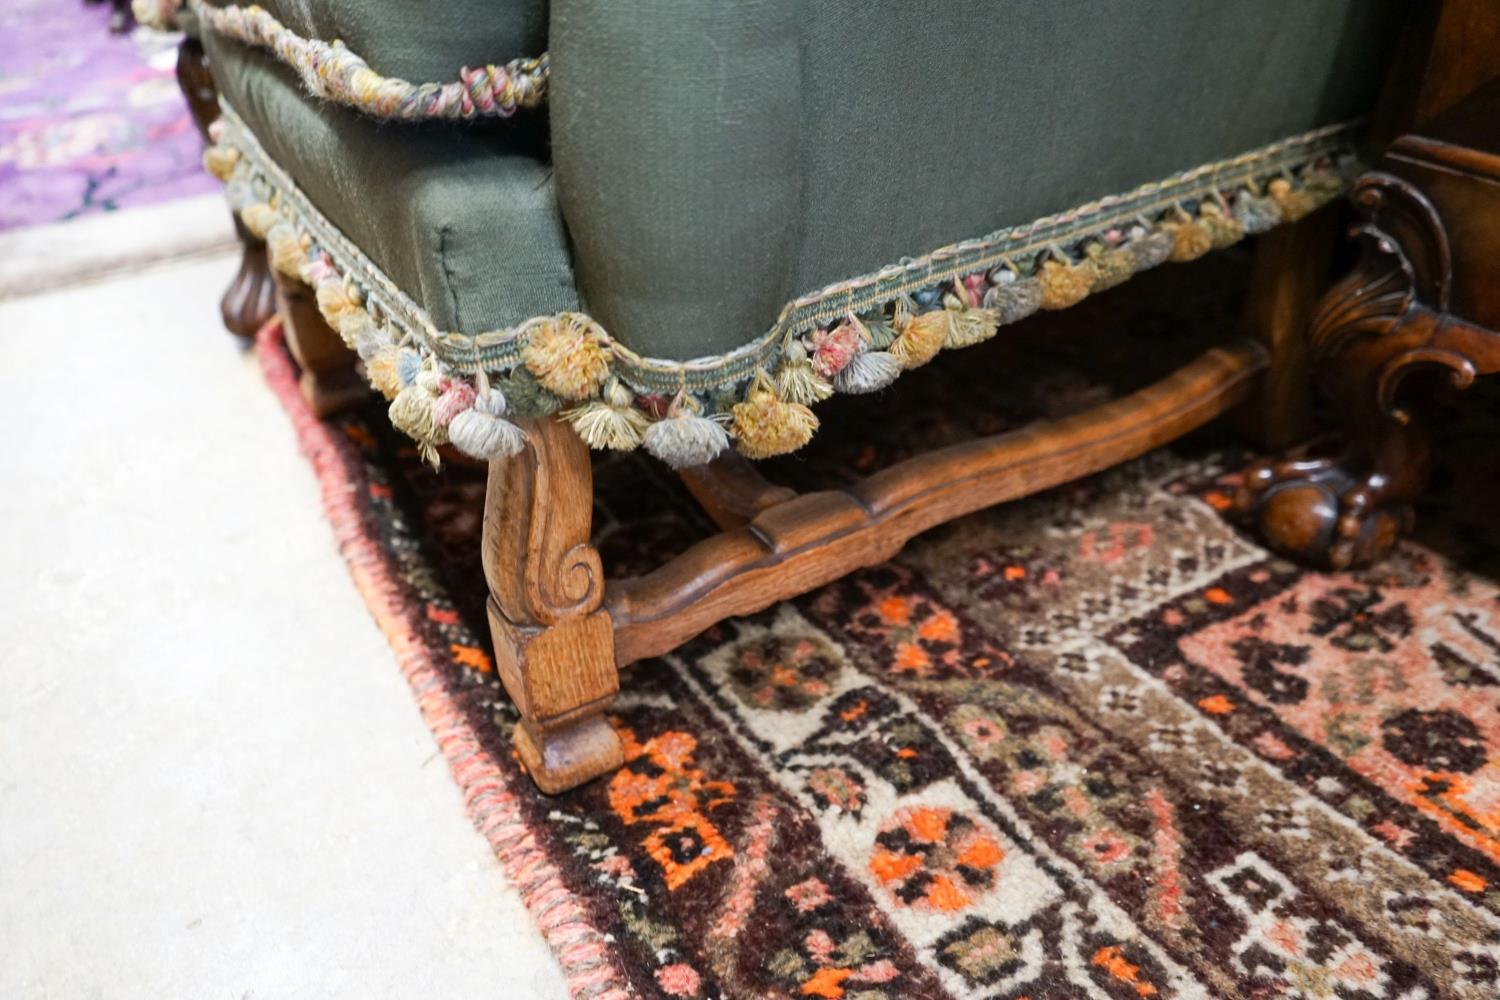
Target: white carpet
96,247
213,780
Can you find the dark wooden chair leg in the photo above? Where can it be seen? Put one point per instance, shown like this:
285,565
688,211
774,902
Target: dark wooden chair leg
1383,322
1290,270
554,642
330,380
250,299
197,84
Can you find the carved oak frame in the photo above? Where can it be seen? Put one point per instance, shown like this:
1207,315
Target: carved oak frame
1387,320
562,633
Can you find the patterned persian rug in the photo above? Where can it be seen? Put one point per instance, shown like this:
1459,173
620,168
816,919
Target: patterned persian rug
1096,743
89,121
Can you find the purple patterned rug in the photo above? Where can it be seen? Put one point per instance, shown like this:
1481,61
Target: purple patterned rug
89,121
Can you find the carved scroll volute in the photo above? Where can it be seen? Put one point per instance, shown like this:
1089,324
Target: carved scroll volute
1405,260
537,557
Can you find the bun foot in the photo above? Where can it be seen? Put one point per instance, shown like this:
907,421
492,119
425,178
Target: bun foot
1318,514
564,757
250,300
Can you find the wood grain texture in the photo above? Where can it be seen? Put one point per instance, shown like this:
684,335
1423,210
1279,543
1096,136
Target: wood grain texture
813,538
1461,59
731,489
553,642
1290,271
1423,300
330,381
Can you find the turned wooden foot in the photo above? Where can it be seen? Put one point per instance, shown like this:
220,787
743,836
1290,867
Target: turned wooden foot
554,643
330,382
1321,513
250,300
563,757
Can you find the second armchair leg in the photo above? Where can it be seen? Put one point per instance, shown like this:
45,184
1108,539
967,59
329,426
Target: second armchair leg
554,642
250,299
330,382
1369,335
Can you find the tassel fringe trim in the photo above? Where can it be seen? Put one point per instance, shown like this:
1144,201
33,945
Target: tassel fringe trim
330,71
453,389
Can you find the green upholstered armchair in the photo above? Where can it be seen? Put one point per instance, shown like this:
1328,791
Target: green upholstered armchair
680,225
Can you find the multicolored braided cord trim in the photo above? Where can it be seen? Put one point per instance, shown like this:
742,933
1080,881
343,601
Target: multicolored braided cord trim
330,71
856,336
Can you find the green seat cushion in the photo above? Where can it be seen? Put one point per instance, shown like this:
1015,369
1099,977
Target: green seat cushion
463,219
716,160
419,40
704,184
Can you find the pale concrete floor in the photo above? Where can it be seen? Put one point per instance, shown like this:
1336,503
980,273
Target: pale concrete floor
213,779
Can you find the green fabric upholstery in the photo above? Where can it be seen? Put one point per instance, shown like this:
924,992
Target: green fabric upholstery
717,159
464,220
419,40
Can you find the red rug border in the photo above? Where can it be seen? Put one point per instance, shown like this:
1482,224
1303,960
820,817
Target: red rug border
490,796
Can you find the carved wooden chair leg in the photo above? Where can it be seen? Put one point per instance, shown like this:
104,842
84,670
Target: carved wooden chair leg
250,299
330,382
731,489
1290,271
554,642
1370,331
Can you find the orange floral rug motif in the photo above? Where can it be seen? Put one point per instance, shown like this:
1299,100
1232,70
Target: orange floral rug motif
1096,743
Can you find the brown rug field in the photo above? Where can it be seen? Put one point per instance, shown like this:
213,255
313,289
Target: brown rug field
1096,743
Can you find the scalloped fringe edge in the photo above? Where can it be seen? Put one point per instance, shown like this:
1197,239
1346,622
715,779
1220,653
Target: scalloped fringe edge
589,965
330,71
567,362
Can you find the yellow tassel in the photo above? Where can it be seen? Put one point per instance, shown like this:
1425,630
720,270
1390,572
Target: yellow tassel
1111,267
767,426
1321,184
333,301
920,338
1191,239
259,218
612,422
566,354
286,250
384,372
411,412
797,382
968,326
1064,285
220,161
1294,204
1224,230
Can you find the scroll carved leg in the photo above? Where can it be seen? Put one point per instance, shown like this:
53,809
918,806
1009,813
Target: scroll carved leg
250,299
330,383
1372,330
554,642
